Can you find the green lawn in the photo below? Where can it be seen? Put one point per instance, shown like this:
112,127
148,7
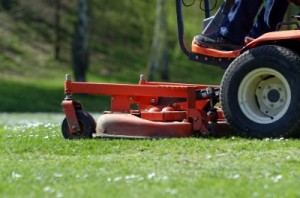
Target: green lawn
37,162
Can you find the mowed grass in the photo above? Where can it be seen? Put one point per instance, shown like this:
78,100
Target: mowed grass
37,162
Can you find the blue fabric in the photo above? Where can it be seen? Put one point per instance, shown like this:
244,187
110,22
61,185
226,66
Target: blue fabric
269,17
239,21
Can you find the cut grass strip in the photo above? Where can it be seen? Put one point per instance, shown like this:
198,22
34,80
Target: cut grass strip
38,162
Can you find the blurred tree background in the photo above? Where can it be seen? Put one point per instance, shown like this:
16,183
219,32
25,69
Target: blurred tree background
37,37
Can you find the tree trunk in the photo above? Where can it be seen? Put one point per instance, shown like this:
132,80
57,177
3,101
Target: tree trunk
80,43
159,58
8,4
57,29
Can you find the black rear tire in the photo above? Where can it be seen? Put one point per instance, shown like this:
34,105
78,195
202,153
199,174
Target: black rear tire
260,93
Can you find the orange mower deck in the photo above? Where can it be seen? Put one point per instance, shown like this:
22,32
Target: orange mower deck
161,110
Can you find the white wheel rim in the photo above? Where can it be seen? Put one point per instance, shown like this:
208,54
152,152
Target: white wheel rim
264,95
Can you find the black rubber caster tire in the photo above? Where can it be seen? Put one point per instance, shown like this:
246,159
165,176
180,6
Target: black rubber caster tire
87,126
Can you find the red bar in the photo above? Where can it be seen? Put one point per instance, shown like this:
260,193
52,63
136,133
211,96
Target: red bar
71,116
126,89
164,116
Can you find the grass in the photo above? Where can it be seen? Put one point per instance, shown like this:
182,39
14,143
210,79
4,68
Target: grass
37,162
42,97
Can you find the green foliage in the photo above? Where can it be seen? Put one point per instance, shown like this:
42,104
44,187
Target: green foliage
38,162
8,4
119,39
42,97
119,46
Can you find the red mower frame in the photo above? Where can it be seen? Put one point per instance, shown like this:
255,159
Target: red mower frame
163,109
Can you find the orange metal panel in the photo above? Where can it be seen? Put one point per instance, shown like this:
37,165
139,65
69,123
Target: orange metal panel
197,120
268,37
120,104
125,89
71,117
196,86
191,97
164,116
214,52
274,37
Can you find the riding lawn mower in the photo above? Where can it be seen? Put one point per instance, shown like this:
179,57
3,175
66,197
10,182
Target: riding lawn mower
259,96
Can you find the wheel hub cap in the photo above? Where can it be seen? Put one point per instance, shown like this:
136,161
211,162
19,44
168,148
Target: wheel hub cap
271,96
264,95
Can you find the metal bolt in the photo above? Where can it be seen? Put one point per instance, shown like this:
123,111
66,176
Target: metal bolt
68,77
142,77
153,101
68,97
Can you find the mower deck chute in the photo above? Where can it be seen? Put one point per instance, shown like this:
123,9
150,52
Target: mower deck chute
163,110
